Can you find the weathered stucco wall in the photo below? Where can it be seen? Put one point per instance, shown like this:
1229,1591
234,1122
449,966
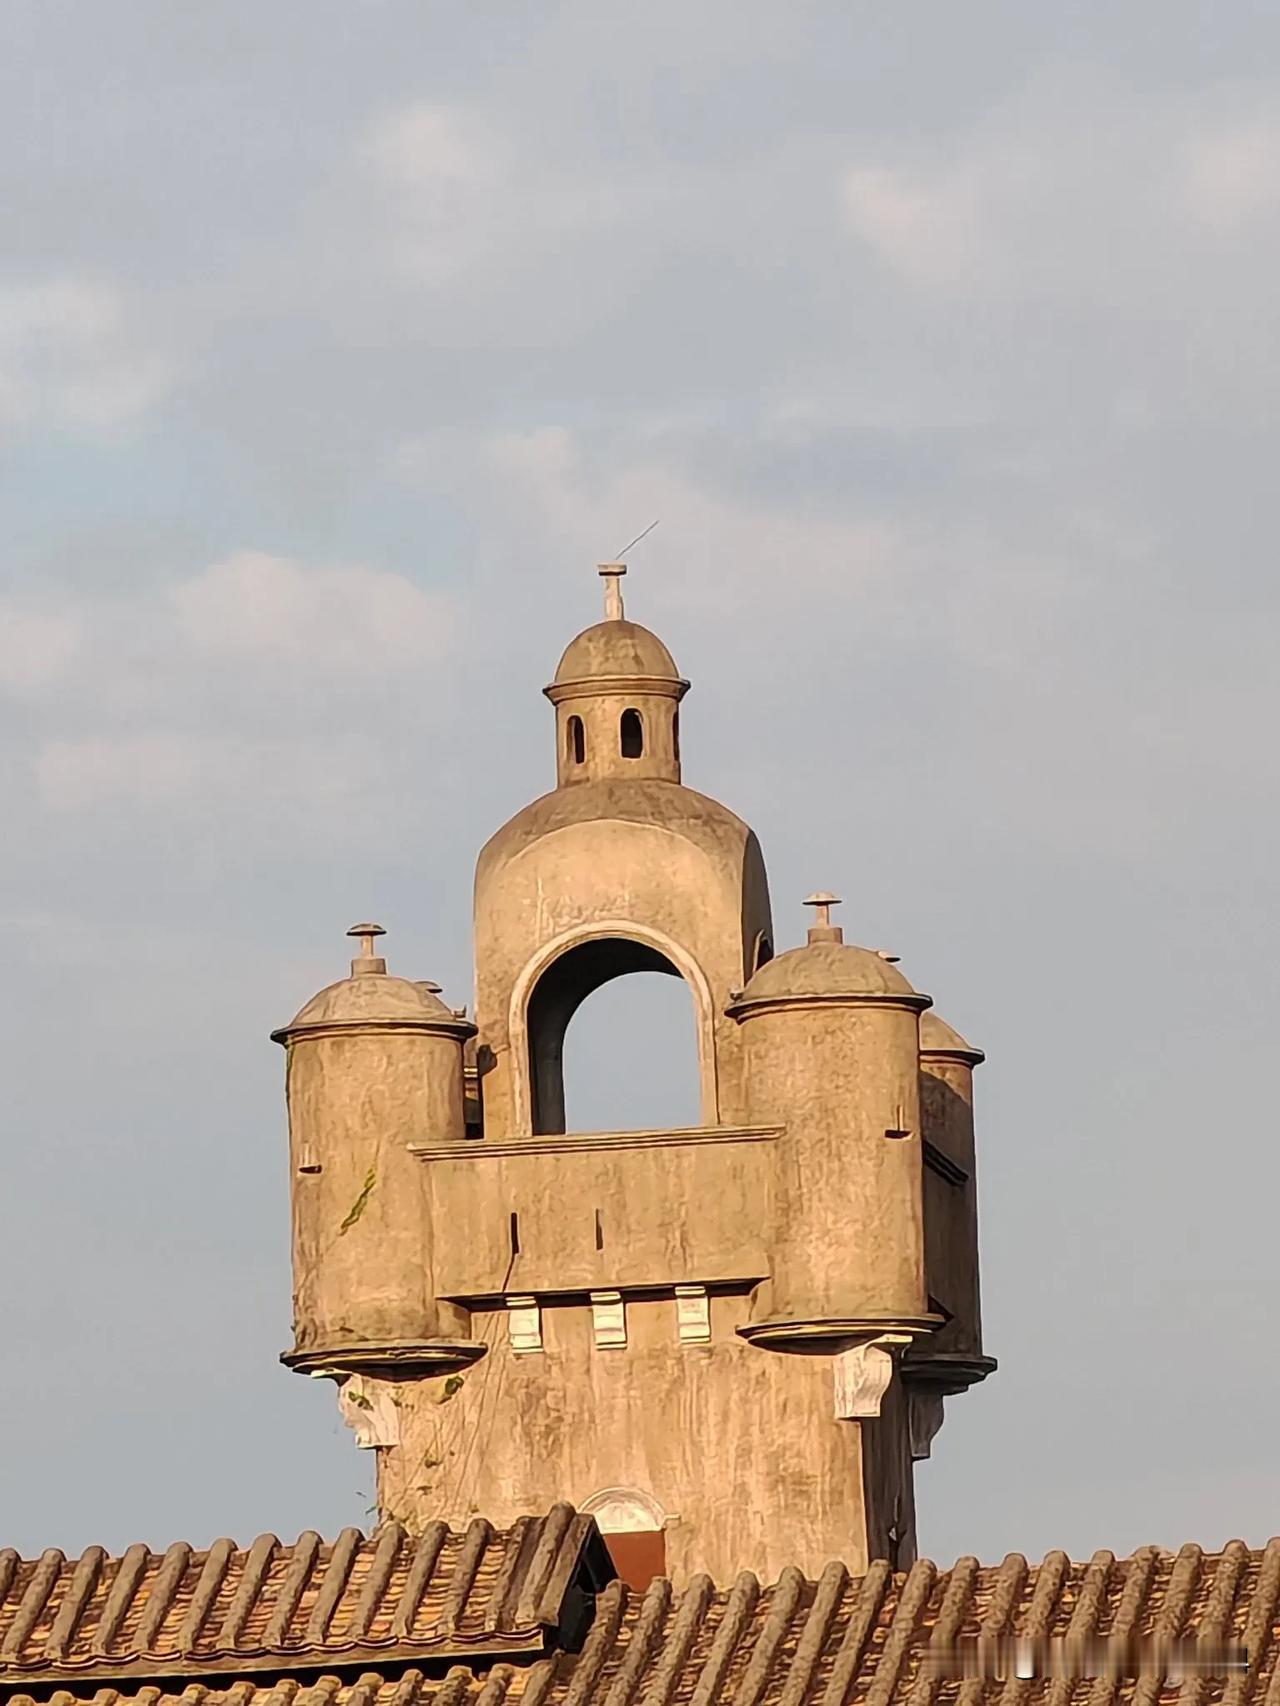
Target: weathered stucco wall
739,1447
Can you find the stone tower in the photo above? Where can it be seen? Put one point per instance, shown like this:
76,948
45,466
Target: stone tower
728,1342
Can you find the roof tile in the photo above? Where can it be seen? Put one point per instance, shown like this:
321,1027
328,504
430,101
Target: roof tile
275,1607
403,1609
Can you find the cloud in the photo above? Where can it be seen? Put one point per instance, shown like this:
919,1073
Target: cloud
36,647
424,146
256,688
930,227
71,360
1233,174
329,620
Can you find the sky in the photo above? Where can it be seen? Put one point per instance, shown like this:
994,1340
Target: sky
337,345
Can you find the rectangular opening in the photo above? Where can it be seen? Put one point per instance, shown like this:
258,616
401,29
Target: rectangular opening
599,1231
515,1233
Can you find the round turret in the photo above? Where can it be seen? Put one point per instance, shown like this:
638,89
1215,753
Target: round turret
831,1034
953,1358
375,1068
937,1038
617,695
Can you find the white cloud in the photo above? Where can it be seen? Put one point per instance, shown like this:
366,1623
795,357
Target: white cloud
72,358
36,647
1233,174
729,544
425,146
355,620
259,687
929,227
167,769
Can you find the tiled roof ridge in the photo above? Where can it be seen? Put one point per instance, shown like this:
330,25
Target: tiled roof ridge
837,1641
480,1590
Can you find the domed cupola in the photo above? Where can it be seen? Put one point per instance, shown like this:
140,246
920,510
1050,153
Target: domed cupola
617,695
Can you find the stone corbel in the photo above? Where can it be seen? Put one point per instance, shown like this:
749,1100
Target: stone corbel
862,1375
693,1314
369,1409
925,1417
609,1320
524,1324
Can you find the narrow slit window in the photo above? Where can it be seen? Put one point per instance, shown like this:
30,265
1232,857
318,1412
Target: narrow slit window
515,1233
675,736
632,735
576,740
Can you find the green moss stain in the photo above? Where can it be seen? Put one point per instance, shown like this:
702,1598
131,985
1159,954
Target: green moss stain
361,1203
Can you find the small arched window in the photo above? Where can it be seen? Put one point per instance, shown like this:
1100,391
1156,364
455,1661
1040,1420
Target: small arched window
576,740
675,736
632,735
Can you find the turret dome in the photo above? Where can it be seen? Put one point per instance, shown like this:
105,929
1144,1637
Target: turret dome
613,649
827,968
371,996
827,965
937,1037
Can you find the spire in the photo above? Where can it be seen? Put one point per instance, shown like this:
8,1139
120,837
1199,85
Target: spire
822,929
611,574
366,962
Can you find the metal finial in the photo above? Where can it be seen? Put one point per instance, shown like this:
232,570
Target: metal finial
822,901
366,962
822,929
611,574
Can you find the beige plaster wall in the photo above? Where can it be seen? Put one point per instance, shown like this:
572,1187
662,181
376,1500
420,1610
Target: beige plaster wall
738,1446
669,1209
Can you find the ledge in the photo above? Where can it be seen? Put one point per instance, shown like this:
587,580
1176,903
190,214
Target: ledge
815,1334
945,1372
433,1356
585,1143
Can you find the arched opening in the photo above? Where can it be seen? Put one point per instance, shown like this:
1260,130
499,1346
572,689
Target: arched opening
634,1053
575,740
763,952
632,735
632,1525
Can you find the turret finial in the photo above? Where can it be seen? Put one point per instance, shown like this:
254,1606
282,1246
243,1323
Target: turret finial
366,962
822,929
611,574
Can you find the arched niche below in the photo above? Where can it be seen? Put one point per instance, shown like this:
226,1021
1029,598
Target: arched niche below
632,1525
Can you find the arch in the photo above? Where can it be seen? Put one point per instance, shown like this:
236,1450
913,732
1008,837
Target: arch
575,741
624,1510
633,1526
762,952
612,947
631,734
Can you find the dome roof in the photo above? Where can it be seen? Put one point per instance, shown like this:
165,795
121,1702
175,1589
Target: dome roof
615,648
365,999
664,805
371,997
937,1037
829,968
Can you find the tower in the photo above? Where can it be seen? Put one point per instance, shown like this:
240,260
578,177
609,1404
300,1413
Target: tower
728,1342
